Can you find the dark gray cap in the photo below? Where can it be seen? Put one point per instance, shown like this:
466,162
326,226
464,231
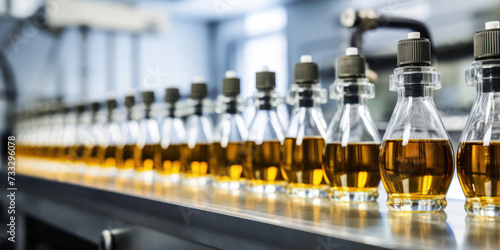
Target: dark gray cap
172,95
414,50
95,106
198,88
351,65
306,72
265,80
129,101
487,42
148,97
111,103
230,84
80,108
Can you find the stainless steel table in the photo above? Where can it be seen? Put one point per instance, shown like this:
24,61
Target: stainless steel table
189,218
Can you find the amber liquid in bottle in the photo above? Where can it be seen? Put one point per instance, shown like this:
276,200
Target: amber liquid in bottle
75,157
170,160
125,157
91,159
479,172
421,170
107,156
354,168
302,164
227,163
125,161
263,163
147,158
195,160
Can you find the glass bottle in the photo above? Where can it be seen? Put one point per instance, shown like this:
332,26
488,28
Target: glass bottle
68,138
125,161
57,133
416,158
265,138
77,151
352,141
173,134
478,167
302,151
195,154
227,157
93,140
148,150
108,146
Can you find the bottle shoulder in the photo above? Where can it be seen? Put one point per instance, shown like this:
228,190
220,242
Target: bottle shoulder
352,124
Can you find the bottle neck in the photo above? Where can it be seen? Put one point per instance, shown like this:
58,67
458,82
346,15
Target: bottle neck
231,105
147,112
415,91
93,118
198,107
264,99
306,97
353,99
171,110
111,115
129,114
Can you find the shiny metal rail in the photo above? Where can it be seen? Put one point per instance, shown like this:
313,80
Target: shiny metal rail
239,220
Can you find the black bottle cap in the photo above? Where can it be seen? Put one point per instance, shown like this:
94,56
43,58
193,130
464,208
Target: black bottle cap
351,65
129,101
306,72
95,106
414,51
198,89
148,97
265,80
111,104
172,95
230,84
80,108
487,42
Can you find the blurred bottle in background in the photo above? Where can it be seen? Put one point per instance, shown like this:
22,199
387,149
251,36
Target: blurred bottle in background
227,149
125,160
173,134
195,155
148,149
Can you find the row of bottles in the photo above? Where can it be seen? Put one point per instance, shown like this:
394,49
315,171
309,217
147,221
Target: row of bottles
345,160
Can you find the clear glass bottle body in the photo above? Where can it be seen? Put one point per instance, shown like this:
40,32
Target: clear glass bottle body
351,163
91,154
125,160
416,158
263,147
227,150
478,168
173,133
147,153
82,147
195,151
68,142
302,150
107,150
